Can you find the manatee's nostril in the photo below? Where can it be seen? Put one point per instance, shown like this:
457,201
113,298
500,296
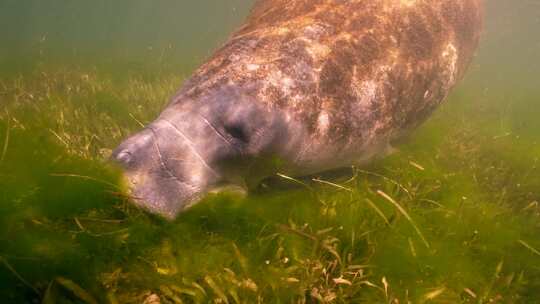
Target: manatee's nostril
124,157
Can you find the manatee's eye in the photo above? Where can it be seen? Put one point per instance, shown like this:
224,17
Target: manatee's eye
237,131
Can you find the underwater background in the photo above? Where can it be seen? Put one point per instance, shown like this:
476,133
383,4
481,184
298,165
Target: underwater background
453,217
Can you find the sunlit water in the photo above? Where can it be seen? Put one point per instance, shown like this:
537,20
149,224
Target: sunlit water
76,78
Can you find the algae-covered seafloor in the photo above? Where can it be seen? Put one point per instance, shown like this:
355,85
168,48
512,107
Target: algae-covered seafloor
453,217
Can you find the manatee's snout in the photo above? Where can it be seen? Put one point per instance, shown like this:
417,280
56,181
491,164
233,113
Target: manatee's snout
132,151
197,146
163,170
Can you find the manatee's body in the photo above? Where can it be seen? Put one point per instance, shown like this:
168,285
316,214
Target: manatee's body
303,86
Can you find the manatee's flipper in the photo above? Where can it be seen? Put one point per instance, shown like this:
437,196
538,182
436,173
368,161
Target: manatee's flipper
233,189
389,150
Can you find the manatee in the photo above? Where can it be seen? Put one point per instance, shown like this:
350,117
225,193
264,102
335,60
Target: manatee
303,86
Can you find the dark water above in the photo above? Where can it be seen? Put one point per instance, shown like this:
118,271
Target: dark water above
77,77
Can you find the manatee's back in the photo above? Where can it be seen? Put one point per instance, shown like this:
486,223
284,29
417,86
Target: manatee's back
351,71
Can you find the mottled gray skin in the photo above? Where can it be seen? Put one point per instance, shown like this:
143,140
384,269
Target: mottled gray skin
303,86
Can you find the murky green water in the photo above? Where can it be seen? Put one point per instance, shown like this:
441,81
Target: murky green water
78,77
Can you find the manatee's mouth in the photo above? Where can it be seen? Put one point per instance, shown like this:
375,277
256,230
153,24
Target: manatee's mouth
161,171
160,189
165,196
